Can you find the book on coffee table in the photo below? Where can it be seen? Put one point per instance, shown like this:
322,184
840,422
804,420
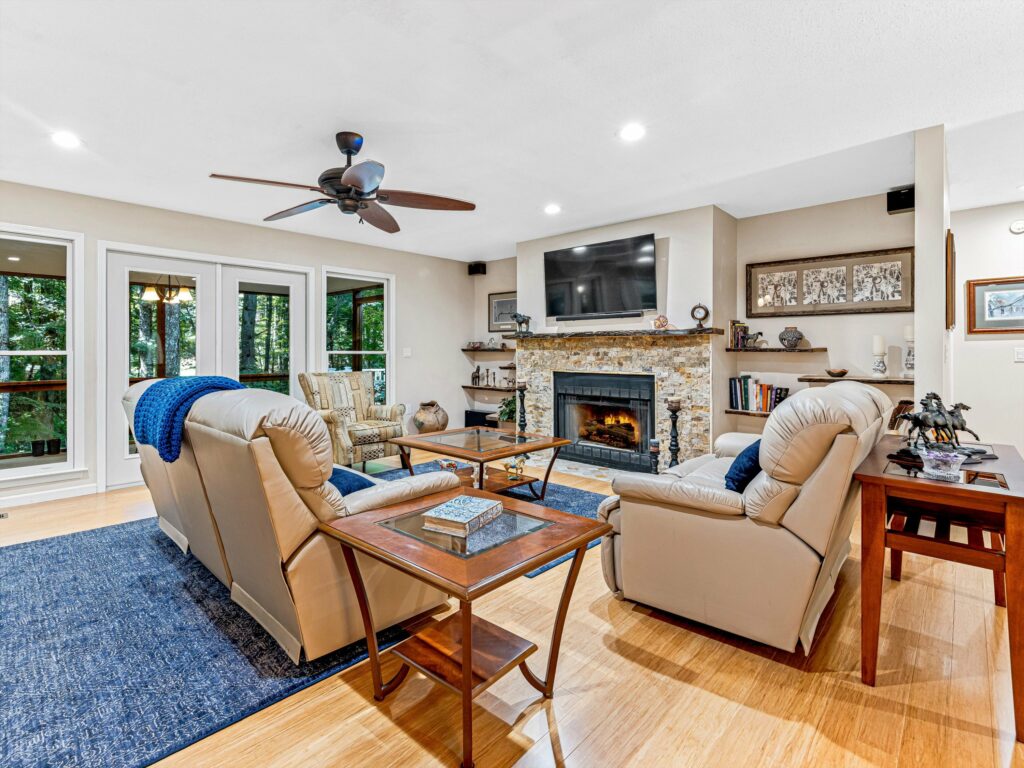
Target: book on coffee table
462,515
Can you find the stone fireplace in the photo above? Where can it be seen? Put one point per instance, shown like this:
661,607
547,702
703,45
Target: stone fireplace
608,416
607,392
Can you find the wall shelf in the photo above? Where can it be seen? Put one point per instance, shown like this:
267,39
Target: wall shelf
489,388
758,414
509,367
776,349
489,349
865,379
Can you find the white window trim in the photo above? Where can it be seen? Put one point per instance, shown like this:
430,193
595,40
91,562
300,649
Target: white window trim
390,358
74,350
105,247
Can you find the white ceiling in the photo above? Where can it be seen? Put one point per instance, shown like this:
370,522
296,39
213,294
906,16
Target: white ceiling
509,104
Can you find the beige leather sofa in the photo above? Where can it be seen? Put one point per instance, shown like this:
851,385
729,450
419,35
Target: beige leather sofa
762,563
263,461
182,508
360,429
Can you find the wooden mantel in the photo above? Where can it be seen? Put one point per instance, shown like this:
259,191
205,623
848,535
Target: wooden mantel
592,334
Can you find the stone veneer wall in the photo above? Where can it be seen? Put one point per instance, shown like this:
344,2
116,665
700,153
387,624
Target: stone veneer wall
681,366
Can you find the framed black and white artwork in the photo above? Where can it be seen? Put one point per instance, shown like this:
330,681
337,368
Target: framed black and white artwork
501,307
844,284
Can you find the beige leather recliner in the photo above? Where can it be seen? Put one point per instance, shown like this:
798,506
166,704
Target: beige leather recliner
265,460
762,563
183,511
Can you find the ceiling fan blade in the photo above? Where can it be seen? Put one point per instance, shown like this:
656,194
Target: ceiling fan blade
269,183
311,205
377,216
364,177
419,200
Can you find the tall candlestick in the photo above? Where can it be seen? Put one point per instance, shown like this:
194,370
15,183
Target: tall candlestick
908,333
878,345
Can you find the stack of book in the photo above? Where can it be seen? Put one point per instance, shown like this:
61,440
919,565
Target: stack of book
748,394
737,334
461,516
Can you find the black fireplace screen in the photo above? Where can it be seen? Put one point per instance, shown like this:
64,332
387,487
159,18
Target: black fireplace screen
607,416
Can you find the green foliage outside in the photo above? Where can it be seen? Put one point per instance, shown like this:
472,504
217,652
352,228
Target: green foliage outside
355,324
263,340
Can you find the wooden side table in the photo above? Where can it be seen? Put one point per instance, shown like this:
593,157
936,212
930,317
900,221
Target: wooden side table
990,498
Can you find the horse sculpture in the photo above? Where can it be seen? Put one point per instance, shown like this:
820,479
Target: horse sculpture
958,423
933,417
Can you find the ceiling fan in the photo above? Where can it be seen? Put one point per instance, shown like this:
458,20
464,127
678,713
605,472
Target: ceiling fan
356,189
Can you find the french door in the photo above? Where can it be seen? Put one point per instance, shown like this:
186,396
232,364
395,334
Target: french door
168,317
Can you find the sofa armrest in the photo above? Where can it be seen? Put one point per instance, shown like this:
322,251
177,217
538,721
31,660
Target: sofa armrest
678,492
733,443
397,491
394,412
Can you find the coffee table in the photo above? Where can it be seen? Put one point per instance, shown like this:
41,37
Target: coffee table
463,652
480,445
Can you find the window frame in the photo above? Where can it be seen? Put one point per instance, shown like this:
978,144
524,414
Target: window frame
388,281
74,319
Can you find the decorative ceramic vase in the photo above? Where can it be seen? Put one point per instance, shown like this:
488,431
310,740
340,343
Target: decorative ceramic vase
791,337
431,417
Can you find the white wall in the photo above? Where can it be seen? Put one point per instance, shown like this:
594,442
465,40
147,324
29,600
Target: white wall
984,374
500,278
861,224
434,297
684,244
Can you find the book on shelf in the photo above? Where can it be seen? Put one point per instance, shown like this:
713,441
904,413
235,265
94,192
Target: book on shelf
738,334
748,394
461,516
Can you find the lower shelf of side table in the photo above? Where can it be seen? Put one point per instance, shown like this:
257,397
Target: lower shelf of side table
436,651
496,480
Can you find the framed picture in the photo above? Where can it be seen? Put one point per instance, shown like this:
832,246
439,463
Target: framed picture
950,280
995,306
844,284
500,308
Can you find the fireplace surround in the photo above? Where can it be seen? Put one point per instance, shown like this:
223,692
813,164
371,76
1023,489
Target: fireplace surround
608,417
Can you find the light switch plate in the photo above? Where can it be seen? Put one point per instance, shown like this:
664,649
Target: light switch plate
406,351
1018,354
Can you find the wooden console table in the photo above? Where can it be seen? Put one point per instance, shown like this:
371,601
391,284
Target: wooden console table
991,498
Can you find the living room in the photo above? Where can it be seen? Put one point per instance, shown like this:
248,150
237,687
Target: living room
588,450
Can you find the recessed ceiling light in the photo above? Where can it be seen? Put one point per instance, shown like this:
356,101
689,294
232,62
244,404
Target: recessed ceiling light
580,249
632,132
551,209
66,139
14,258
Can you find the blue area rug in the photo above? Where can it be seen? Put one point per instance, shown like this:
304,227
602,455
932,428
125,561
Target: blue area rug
560,497
118,650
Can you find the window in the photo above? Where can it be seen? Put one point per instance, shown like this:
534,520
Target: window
263,337
356,329
34,301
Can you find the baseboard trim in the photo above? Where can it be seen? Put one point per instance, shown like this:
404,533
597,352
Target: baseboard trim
35,497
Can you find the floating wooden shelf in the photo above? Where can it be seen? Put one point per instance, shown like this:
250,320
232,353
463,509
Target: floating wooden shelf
489,349
509,367
776,349
865,379
758,414
489,388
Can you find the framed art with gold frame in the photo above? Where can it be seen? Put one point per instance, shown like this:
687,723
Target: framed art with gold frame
995,305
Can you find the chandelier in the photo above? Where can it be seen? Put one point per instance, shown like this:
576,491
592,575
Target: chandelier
168,294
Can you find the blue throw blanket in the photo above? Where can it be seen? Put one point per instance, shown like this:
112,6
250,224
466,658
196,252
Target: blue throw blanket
161,411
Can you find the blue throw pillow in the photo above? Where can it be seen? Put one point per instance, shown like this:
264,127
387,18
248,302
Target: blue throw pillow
347,480
744,468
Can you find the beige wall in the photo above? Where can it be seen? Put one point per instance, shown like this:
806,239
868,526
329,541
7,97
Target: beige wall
434,298
984,374
500,277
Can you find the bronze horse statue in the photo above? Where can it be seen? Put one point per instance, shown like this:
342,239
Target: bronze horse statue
935,418
959,424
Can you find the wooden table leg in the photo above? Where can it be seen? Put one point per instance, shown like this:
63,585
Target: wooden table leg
466,610
406,459
380,688
872,565
483,476
547,475
1014,544
547,685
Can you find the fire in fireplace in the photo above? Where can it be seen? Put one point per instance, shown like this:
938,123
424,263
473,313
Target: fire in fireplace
608,417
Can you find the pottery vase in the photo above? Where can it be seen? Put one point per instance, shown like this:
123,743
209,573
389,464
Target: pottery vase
430,417
790,337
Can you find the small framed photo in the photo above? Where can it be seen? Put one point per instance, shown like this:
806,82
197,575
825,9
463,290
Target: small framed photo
995,306
501,307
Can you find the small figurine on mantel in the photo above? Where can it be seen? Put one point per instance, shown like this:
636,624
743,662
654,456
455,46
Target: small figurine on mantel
522,324
661,323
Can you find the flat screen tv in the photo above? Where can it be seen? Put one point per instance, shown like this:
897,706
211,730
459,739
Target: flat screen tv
608,279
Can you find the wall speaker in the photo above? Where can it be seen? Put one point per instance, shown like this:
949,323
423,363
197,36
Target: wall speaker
900,201
478,267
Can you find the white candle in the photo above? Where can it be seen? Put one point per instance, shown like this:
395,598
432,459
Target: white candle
908,333
878,345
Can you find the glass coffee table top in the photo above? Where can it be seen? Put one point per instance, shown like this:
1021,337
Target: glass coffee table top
973,474
508,526
481,440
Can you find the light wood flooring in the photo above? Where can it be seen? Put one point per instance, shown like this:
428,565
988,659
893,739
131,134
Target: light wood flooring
639,688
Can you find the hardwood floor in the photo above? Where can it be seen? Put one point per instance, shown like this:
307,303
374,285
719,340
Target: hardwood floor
636,687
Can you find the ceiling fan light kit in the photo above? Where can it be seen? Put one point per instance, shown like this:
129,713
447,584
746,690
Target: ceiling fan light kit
355,189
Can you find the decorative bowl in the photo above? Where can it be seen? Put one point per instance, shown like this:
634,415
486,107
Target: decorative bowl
941,465
474,345
836,373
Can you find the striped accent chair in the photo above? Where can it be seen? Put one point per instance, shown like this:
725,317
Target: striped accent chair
360,429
